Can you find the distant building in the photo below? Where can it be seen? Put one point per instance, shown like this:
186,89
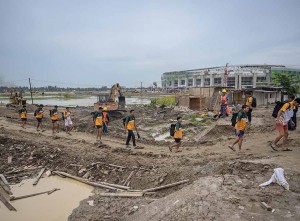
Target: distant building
234,76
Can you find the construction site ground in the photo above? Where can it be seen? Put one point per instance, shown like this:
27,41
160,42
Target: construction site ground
223,185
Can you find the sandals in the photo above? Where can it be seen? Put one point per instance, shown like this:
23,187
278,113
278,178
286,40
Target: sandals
273,147
231,147
287,149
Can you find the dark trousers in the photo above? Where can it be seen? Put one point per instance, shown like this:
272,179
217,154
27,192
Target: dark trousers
294,118
249,114
105,128
223,110
130,135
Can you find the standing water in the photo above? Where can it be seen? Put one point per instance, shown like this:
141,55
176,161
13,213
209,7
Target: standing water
56,206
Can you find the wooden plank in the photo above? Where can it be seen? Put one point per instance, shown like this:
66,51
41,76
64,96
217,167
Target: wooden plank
117,166
123,194
39,176
2,177
166,186
31,195
22,170
6,203
5,187
115,185
86,181
128,178
266,206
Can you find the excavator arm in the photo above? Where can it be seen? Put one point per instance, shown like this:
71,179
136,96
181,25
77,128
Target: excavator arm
115,89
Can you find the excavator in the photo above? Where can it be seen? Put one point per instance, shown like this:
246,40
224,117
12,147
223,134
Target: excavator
114,101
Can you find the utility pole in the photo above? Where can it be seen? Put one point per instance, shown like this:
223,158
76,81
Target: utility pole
30,91
141,89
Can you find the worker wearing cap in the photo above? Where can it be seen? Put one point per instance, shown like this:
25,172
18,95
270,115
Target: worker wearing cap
98,122
105,120
54,119
224,111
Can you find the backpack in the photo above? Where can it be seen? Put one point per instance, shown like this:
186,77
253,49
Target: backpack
254,102
233,118
51,112
172,129
124,121
35,112
278,106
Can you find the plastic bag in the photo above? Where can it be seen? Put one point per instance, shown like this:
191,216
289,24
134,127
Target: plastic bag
277,177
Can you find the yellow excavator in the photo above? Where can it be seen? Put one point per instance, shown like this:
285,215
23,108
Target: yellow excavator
114,101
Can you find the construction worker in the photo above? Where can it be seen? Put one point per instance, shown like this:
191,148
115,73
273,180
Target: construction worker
224,110
130,126
68,120
177,135
105,120
54,119
23,116
39,117
98,122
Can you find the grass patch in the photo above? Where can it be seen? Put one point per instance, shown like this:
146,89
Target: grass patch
167,101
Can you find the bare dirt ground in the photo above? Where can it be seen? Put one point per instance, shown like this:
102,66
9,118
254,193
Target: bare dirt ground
223,185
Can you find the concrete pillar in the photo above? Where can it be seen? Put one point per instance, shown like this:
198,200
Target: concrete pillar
211,80
202,80
254,80
240,81
178,85
194,81
268,78
173,84
186,82
236,77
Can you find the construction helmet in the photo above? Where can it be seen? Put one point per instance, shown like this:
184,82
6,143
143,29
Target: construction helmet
105,108
224,91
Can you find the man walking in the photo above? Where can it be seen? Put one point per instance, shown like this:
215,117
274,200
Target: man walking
249,103
130,126
98,122
294,117
240,127
105,120
224,109
282,120
39,117
68,120
23,116
178,134
54,119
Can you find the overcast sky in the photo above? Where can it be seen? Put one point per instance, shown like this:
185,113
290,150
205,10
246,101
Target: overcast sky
96,43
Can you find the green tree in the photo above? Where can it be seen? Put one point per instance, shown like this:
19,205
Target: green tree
289,82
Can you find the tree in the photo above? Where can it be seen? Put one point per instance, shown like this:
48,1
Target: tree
289,82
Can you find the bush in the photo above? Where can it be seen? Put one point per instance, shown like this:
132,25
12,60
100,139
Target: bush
167,101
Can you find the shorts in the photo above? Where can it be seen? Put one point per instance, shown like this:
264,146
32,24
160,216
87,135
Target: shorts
39,120
68,122
241,133
99,126
177,140
54,121
282,128
23,119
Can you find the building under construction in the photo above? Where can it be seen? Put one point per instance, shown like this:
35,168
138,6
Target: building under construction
234,76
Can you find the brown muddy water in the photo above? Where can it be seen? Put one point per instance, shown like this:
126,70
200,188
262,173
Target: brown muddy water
54,207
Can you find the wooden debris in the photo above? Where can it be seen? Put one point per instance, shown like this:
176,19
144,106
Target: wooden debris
116,185
75,165
123,194
6,203
39,176
9,159
128,178
113,165
22,170
5,187
31,195
86,181
266,206
2,177
166,186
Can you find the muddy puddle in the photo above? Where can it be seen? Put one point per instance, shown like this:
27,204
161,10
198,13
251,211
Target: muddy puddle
56,206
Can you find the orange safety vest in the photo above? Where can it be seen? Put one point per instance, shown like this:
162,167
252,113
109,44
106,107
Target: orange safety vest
224,98
105,116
